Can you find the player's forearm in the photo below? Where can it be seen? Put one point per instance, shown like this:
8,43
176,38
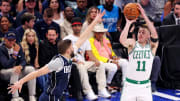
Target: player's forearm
85,35
124,33
151,27
35,74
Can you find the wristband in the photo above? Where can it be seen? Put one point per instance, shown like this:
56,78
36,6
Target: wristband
154,39
15,52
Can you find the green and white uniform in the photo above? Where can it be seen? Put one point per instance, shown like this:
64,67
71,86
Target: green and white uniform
137,86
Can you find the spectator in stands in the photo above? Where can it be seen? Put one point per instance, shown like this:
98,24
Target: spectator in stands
30,7
84,66
66,27
5,11
13,65
91,14
47,50
81,9
42,26
58,16
112,19
150,8
5,26
27,21
38,7
30,46
173,18
122,3
169,6
48,47
102,50
45,4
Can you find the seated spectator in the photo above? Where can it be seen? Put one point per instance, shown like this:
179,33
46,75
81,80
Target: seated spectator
173,18
5,26
30,46
66,28
91,14
81,9
27,21
42,26
47,50
102,50
112,19
84,66
20,6
13,65
5,11
151,8
45,4
30,7
58,16
169,6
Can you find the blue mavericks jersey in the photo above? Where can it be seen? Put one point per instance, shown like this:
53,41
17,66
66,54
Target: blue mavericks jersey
58,80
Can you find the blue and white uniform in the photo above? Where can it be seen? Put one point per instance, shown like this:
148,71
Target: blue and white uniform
58,78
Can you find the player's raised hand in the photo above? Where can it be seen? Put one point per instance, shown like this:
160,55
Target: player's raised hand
141,10
17,86
99,16
130,21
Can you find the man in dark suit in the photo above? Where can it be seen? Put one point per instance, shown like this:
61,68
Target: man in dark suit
173,18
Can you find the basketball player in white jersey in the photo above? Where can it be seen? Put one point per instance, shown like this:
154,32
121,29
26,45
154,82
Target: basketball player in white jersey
137,85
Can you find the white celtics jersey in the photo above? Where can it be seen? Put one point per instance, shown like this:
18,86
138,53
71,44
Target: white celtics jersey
140,62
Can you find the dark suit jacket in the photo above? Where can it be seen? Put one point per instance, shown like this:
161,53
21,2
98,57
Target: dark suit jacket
9,62
169,19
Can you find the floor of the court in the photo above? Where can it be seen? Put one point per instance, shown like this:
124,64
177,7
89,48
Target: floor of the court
160,95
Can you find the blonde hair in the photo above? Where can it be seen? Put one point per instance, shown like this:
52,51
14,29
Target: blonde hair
25,46
88,18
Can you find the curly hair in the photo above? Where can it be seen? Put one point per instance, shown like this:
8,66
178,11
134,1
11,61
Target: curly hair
25,46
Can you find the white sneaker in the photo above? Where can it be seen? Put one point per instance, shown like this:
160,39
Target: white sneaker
104,93
17,99
32,98
91,96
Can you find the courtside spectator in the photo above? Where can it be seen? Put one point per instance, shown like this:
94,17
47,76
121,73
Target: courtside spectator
13,65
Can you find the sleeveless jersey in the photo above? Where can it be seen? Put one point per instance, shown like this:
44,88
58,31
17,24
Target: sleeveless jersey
110,18
58,80
140,63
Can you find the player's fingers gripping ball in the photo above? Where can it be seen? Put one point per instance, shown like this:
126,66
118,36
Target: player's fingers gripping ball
131,11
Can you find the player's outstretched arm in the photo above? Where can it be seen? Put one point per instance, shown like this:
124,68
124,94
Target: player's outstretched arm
154,35
148,22
85,35
18,85
123,38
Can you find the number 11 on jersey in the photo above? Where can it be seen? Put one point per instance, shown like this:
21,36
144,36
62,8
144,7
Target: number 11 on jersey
141,65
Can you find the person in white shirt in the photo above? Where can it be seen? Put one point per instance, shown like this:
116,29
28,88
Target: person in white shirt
84,66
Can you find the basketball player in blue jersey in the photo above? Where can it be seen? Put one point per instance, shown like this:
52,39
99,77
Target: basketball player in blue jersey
58,68
137,85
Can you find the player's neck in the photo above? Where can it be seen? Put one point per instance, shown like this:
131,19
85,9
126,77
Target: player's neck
142,43
67,56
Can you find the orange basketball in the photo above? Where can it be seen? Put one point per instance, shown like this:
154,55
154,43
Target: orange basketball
131,11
